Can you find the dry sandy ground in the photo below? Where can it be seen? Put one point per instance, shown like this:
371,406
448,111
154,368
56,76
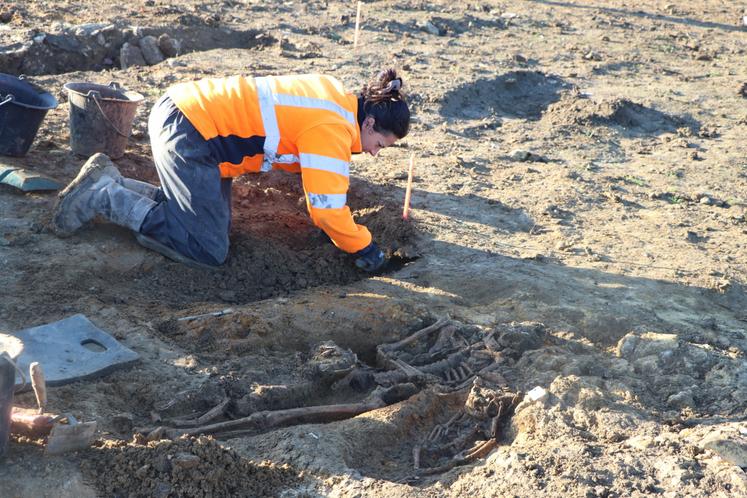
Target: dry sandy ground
578,163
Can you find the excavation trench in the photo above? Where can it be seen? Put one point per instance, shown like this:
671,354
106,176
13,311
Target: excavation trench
98,47
432,400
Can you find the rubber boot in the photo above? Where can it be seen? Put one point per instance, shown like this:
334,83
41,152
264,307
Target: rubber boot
93,193
102,162
143,188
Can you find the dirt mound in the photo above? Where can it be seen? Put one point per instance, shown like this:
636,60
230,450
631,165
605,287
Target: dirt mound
517,94
573,109
276,249
192,467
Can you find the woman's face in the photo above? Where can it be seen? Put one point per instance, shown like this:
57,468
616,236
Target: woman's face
371,140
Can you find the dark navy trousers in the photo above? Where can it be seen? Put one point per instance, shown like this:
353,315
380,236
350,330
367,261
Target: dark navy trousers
195,216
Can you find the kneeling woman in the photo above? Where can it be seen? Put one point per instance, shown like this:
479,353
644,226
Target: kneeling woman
205,133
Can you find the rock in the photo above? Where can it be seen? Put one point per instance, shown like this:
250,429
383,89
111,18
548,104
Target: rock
640,442
682,399
156,434
526,156
432,29
694,238
162,464
88,29
666,357
731,448
537,394
626,346
130,55
149,47
563,245
122,422
142,471
7,15
65,42
330,362
170,47
521,337
185,461
634,345
163,490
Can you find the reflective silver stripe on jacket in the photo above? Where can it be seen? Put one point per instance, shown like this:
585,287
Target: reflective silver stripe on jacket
268,99
269,120
325,163
314,103
327,201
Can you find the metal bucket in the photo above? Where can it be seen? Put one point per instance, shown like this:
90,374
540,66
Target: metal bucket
11,349
22,110
100,118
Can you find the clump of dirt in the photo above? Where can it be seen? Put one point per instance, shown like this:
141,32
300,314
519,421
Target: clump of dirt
193,467
574,109
398,236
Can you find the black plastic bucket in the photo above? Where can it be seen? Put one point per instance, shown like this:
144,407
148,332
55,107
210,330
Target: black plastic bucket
100,118
7,388
22,110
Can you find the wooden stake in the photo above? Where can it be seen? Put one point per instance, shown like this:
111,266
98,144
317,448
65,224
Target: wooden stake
408,191
39,385
357,25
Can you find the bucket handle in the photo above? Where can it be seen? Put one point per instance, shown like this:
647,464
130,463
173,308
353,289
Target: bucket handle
96,96
20,372
9,98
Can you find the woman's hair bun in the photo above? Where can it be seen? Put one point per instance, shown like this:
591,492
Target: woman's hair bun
383,99
385,86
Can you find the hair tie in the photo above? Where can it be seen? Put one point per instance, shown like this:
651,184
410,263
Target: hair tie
393,86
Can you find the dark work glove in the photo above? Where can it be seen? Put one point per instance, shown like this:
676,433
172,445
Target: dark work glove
370,258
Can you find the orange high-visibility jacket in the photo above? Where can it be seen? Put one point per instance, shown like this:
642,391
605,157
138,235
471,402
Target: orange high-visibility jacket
305,124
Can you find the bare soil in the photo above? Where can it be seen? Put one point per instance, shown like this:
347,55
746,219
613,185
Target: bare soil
579,211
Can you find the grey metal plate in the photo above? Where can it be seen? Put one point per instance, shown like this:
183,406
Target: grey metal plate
69,350
25,180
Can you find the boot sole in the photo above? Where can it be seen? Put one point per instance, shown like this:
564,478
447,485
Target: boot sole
170,253
97,166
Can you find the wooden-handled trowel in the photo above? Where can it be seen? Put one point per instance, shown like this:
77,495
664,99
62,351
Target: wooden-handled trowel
61,437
